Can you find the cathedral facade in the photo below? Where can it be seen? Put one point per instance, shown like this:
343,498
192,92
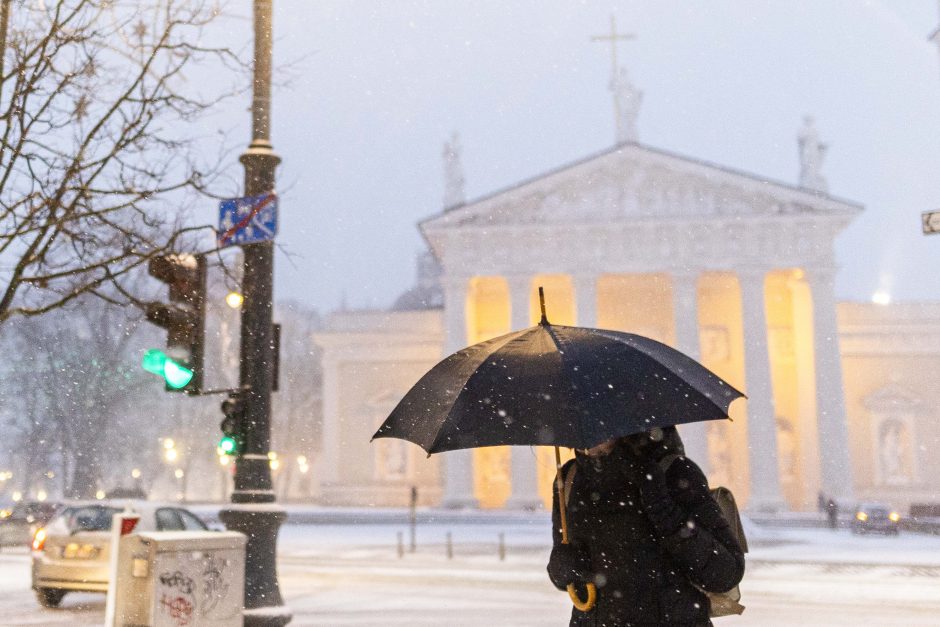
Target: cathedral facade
731,268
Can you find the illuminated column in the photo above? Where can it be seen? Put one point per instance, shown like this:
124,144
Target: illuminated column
585,298
458,465
835,464
332,446
761,416
685,316
524,476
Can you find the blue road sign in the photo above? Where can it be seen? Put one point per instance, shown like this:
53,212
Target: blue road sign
247,220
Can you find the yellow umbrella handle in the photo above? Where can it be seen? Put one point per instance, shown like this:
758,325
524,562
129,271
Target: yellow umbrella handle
587,604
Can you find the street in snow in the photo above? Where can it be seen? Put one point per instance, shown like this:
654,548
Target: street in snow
352,575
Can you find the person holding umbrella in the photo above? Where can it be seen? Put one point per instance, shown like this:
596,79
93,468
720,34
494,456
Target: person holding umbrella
644,530
647,538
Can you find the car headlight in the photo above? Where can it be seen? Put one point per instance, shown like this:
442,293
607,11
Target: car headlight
862,516
894,517
39,540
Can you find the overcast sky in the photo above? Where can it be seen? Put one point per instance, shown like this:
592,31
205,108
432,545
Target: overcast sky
376,87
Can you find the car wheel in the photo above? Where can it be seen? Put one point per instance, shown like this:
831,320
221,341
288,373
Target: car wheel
49,597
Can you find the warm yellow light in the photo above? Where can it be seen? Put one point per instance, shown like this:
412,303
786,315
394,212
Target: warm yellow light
275,464
304,469
39,540
862,516
171,454
234,300
99,494
50,474
272,455
168,443
178,473
223,459
894,516
5,513
881,297
41,495
798,274
136,473
302,460
17,496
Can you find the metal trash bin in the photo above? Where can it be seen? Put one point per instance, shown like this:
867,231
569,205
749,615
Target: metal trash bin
180,578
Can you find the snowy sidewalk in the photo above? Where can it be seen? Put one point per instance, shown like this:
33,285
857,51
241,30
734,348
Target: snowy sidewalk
352,575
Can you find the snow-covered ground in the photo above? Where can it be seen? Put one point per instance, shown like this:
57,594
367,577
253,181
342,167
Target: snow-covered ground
352,575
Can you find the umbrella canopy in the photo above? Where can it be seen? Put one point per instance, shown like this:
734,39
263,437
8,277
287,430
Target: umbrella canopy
556,386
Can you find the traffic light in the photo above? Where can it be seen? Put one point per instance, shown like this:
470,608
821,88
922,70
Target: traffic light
183,318
233,408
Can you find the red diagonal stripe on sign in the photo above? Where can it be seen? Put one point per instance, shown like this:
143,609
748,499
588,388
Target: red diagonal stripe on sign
264,202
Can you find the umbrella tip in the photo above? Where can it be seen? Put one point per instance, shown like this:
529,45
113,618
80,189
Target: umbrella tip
544,319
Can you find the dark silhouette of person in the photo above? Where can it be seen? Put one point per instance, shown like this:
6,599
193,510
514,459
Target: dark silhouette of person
832,513
645,532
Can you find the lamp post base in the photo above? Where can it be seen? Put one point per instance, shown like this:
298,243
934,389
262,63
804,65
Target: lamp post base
260,523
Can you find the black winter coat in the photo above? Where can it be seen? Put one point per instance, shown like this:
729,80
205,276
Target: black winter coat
647,561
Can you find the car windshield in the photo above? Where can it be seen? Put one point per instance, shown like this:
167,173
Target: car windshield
87,518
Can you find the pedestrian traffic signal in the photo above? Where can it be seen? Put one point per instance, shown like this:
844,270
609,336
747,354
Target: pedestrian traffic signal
183,317
233,408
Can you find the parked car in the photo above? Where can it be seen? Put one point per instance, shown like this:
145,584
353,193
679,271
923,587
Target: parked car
72,552
876,517
20,522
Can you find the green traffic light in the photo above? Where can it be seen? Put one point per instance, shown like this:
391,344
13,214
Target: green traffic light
228,445
176,375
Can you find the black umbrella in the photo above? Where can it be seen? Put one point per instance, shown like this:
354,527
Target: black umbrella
556,386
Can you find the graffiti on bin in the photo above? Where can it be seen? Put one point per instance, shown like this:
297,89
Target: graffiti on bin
215,585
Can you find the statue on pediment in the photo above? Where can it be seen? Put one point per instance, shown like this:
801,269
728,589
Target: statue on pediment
812,152
627,101
454,195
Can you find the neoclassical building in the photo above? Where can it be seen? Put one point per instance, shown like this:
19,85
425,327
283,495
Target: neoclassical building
731,268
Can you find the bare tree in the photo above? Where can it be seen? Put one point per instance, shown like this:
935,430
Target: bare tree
83,402
98,146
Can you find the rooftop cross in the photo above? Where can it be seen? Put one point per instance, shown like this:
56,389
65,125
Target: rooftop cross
627,98
613,38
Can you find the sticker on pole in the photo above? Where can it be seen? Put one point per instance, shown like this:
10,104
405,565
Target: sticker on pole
247,220
931,222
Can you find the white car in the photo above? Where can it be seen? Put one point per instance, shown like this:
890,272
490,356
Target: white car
72,551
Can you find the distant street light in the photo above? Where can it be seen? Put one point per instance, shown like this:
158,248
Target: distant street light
99,494
41,495
17,496
179,473
168,443
171,455
234,300
135,473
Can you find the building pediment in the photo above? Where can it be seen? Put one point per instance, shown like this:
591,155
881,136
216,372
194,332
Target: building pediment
634,182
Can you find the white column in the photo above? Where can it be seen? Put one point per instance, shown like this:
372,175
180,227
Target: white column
331,441
524,478
685,316
585,298
835,462
761,417
458,465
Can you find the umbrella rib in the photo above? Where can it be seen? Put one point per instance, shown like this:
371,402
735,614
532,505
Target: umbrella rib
509,337
643,350
564,365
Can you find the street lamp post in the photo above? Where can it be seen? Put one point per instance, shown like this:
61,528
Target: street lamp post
252,512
